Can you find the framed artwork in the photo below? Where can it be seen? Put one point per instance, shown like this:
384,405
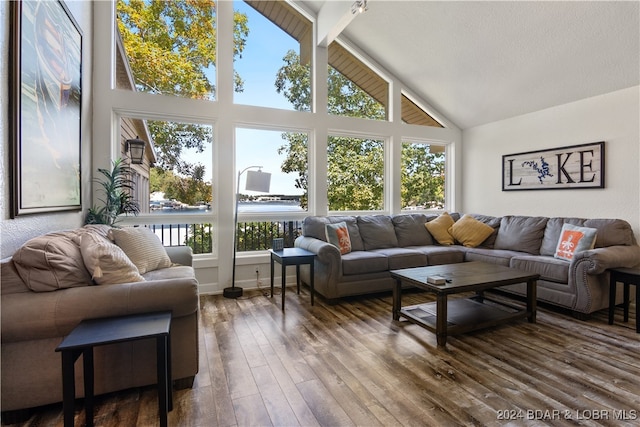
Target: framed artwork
45,107
571,167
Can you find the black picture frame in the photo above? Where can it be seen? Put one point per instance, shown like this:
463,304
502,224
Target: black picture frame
564,168
45,108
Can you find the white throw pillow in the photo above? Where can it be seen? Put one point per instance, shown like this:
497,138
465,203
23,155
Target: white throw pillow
142,247
106,262
574,239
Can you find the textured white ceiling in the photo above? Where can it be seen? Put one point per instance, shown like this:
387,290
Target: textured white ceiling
478,62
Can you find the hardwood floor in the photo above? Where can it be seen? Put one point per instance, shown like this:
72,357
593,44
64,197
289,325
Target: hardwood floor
350,364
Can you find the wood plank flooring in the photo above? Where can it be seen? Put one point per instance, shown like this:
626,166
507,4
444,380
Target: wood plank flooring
350,365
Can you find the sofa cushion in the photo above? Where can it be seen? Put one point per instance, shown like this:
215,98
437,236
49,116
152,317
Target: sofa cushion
492,256
574,239
521,233
50,262
410,230
438,255
439,229
612,232
107,263
338,235
470,232
403,257
549,268
361,262
377,232
174,272
142,247
552,233
314,226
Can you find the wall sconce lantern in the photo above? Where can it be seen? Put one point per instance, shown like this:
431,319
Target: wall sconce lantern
135,147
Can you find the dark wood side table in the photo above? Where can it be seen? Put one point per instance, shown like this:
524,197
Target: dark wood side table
626,276
292,256
109,330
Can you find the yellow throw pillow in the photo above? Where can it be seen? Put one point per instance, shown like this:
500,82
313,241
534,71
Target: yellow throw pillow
470,232
142,247
439,229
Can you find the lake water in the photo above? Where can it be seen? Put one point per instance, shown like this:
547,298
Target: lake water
177,235
276,206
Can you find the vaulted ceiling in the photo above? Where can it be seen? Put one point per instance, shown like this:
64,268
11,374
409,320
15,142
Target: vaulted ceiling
478,62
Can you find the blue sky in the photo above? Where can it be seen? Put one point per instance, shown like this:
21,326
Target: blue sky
266,46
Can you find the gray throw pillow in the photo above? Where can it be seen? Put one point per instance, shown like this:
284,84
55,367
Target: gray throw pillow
521,233
377,232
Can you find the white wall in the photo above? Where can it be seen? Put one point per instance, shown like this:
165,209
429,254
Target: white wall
613,118
14,232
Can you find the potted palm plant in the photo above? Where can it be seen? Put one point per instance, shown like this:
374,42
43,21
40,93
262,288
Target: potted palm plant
116,185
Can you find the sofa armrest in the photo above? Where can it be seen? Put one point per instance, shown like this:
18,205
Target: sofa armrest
600,259
326,252
182,255
328,265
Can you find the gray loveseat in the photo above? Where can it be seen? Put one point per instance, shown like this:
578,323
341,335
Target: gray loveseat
380,243
47,291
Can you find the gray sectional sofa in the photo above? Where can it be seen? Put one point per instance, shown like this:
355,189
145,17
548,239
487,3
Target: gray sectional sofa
380,243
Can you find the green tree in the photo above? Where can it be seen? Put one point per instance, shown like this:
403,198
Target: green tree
200,238
171,45
171,48
355,164
191,190
422,176
355,172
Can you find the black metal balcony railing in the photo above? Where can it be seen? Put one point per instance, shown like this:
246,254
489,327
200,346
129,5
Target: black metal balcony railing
251,236
257,236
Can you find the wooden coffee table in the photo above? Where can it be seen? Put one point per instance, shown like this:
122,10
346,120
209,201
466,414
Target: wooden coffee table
460,315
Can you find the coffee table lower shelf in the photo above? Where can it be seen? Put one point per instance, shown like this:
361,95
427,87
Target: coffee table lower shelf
463,315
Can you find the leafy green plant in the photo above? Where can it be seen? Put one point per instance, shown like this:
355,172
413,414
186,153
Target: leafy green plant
116,185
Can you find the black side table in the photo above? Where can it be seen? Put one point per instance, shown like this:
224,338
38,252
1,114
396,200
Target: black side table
626,276
96,332
292,256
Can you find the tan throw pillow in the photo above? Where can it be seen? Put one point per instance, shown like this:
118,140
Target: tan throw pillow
50,262
439,229
107,263
338,235
470,232
142,247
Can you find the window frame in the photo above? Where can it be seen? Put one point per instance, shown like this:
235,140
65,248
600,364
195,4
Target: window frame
447,150
224,116
386,188
262,216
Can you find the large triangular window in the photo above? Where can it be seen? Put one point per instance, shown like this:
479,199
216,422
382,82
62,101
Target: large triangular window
167,48
413,114
354,89
275,66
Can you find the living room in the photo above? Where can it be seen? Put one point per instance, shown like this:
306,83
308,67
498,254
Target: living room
477,132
